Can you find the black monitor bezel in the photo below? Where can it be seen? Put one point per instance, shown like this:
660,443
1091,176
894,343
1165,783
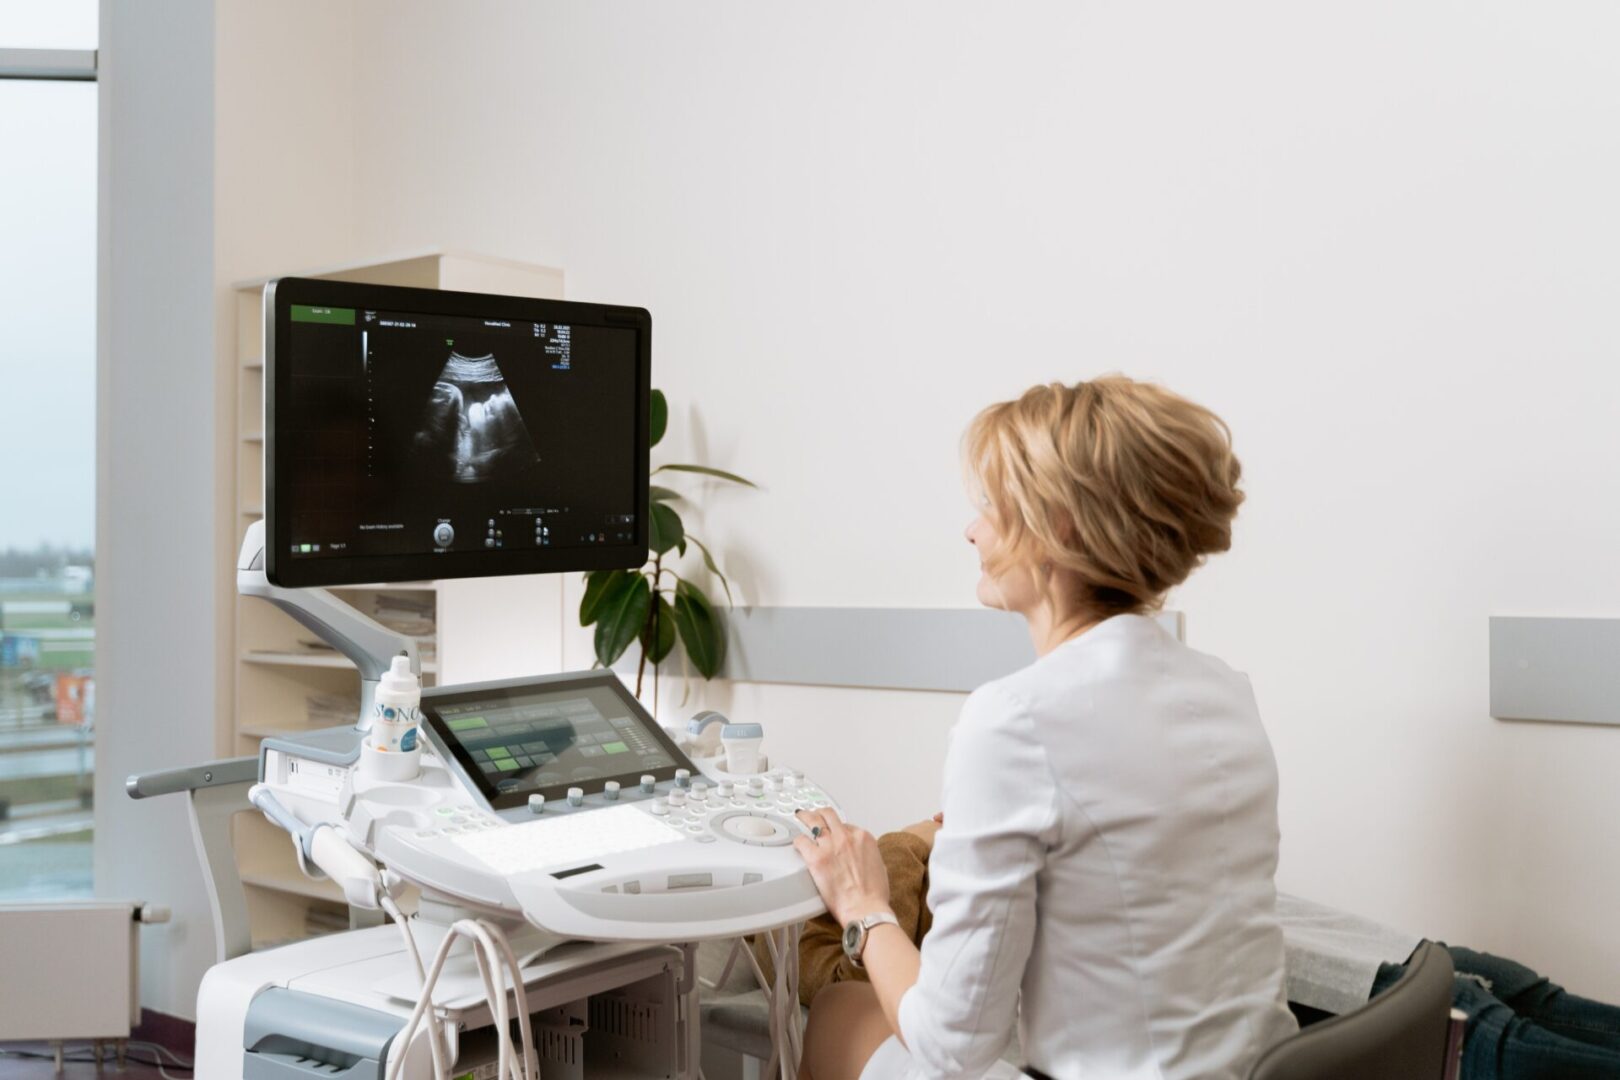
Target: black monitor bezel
444,740
279,297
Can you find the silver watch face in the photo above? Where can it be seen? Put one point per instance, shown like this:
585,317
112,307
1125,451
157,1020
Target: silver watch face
853,932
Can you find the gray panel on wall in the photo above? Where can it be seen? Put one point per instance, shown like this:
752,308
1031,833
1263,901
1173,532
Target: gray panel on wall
890,648
1555,669
950,649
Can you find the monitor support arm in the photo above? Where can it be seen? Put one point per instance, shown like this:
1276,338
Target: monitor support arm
366,642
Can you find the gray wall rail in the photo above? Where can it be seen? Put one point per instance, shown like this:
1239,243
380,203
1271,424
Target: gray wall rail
942,649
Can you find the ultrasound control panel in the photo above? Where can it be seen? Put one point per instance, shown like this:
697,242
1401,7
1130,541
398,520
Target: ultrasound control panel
582,837
686,863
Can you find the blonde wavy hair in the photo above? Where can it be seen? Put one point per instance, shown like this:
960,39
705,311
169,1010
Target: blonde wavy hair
1122,483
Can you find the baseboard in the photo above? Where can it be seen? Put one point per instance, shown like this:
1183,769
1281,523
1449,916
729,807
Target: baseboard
170,1032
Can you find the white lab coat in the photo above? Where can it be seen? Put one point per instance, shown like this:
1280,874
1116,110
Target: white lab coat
1109,847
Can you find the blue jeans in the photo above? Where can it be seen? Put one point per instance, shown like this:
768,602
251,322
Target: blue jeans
1522,1026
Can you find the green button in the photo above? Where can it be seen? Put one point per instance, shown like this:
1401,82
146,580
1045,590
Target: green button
496,752
335,316
508,765
615,748
468,723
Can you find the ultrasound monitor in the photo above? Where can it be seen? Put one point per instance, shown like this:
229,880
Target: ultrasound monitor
414,434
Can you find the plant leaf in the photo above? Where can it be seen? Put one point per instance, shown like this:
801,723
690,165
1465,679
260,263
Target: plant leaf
621,619
706,471
700,630
599,585
665,530
663,494
708,560
657,418
665,616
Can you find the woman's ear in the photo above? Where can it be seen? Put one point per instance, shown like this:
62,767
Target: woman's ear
1068,534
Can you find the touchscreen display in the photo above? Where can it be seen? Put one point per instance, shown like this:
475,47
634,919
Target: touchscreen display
528,739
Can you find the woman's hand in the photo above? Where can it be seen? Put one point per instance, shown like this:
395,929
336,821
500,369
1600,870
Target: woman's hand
845,864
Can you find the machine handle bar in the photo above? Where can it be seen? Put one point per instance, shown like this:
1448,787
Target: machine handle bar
192,777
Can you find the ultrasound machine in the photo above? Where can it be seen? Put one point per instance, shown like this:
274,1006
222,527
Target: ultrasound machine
569,852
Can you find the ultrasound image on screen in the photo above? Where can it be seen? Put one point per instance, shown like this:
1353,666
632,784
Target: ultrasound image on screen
401,434
471,431
444,415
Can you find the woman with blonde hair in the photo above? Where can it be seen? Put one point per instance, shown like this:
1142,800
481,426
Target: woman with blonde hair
1103,879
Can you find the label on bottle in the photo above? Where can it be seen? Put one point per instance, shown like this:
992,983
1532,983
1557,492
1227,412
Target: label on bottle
393,727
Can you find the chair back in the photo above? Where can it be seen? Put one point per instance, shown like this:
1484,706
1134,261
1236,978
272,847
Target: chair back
1402,1034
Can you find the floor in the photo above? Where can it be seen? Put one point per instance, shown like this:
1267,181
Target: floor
14,1067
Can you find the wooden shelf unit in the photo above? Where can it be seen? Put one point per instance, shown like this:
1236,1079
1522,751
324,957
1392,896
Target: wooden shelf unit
281,683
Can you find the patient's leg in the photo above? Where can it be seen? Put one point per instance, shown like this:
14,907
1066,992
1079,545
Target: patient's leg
846,1027
1502,1045
1537,998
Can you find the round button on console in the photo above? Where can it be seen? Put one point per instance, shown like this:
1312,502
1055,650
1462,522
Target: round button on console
647,782
537,804
683,778
610,791
752,827
443,534
576,796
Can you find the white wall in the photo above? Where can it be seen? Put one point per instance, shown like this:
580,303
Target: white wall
284,143
1378,238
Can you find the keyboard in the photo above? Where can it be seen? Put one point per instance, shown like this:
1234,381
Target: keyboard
566,840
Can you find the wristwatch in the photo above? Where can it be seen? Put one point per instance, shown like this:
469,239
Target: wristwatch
855,932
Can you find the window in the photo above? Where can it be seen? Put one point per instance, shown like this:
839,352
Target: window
48,118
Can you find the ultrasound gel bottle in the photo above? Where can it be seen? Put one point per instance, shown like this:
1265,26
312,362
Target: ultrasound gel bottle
393,748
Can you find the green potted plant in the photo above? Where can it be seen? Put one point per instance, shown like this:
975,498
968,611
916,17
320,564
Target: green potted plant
656,606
